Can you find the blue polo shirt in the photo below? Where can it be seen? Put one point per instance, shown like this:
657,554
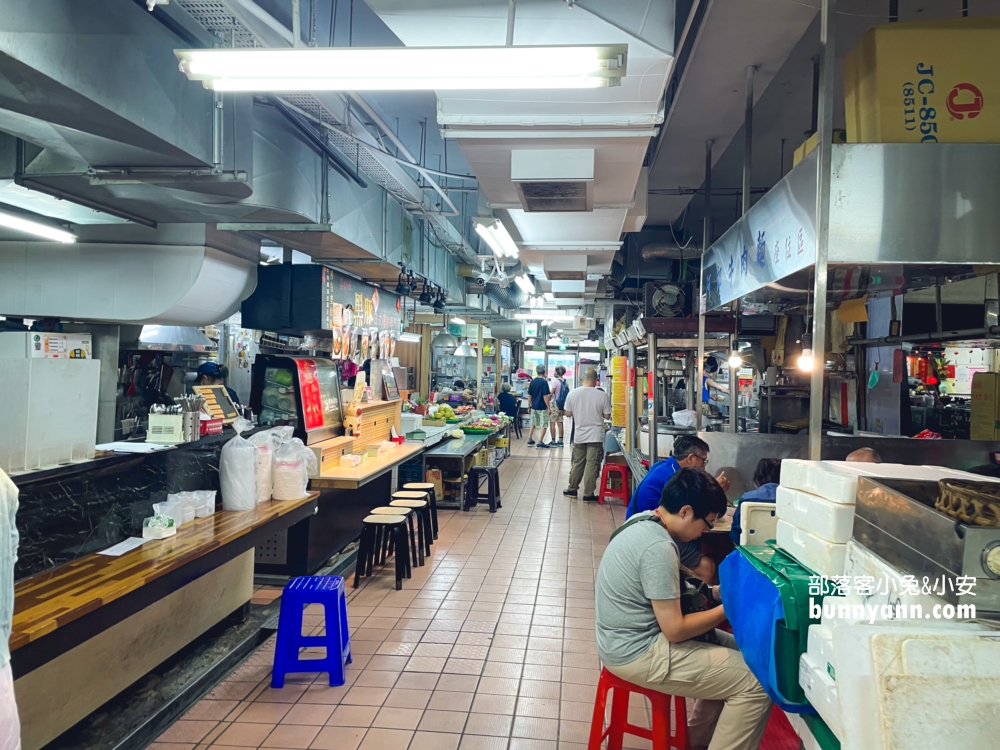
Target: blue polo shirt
647,494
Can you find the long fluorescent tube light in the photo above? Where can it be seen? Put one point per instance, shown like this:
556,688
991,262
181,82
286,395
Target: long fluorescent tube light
542,315
410,338
524,282
405,68
495,234
33,227
459,321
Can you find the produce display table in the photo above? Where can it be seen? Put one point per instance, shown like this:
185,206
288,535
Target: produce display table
455,455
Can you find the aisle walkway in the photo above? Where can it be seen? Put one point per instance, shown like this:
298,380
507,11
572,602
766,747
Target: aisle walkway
489,647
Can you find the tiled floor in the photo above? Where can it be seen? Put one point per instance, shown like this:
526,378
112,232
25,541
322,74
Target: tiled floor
489,647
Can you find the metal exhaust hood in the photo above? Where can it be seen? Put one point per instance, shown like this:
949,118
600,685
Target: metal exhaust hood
175,339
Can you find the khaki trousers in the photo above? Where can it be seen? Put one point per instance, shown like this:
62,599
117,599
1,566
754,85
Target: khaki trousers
586,463
731,709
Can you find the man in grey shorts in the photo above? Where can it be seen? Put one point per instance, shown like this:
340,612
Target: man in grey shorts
643,635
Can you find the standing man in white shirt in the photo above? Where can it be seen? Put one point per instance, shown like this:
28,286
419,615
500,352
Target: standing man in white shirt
588,407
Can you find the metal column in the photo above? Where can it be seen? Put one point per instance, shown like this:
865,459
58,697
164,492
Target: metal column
706,240
654,395
824,149
632,420
734,343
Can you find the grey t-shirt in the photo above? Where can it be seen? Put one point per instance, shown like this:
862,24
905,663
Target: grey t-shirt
640,564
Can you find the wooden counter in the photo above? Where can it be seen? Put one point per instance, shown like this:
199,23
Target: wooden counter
55,598
86,630
351,478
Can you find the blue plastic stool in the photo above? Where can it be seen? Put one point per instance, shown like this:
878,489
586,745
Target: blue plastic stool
325,590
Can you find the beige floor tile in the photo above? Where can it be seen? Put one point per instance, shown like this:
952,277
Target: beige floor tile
443,721
386,739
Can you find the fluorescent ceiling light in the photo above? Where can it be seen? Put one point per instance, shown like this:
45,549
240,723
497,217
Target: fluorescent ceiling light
33,227
543,315
524,282
405,68
460,321
410,338
495,234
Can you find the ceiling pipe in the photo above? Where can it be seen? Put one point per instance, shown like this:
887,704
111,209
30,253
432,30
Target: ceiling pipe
967,333
664,251
313,137
380,124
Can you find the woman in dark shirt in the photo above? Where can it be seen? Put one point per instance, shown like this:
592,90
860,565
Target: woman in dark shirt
507,403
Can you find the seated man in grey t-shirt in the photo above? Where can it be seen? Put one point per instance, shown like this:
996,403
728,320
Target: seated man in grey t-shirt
644,637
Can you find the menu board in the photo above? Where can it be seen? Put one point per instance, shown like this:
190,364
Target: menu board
389,382
217,405
347,301
619,391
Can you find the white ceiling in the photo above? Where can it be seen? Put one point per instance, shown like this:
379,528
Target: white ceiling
711,97
616,122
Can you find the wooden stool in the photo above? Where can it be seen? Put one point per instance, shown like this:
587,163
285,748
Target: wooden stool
427,487
665,735
453,487
373,528
418,502
414,549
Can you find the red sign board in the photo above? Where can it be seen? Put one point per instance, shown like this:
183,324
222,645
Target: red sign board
312,404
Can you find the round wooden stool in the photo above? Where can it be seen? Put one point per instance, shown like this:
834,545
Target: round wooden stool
427,487
413,548
418,502
374,529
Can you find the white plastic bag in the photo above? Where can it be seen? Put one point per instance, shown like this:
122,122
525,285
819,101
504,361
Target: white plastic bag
293,463
238,471
685,418
266,443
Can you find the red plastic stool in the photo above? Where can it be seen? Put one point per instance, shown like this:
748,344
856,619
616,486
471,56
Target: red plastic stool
665,735
606,472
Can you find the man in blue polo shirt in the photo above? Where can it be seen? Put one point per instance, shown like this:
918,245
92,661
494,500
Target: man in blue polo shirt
690,452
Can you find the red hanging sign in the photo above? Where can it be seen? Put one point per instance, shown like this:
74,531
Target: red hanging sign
312,403
631,377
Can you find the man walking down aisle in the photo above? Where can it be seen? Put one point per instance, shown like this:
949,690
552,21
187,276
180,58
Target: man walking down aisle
539,398
587,407
10,727
559,390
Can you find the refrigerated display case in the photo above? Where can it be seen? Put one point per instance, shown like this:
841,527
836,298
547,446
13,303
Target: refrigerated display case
303,392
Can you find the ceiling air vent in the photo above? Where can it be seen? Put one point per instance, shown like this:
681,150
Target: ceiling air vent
554,179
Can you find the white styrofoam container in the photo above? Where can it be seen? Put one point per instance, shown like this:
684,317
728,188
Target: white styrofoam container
912,685
818,478
820,649
888,587
821,692
830,604
410,422
837,481
820,556
758,522
831,521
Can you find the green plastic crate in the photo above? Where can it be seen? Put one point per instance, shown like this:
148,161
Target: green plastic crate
791,634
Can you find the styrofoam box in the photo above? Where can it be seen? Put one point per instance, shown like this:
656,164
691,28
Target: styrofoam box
837,481
820,556
914,685
820,649
758,522
821,693
888,587
831,521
